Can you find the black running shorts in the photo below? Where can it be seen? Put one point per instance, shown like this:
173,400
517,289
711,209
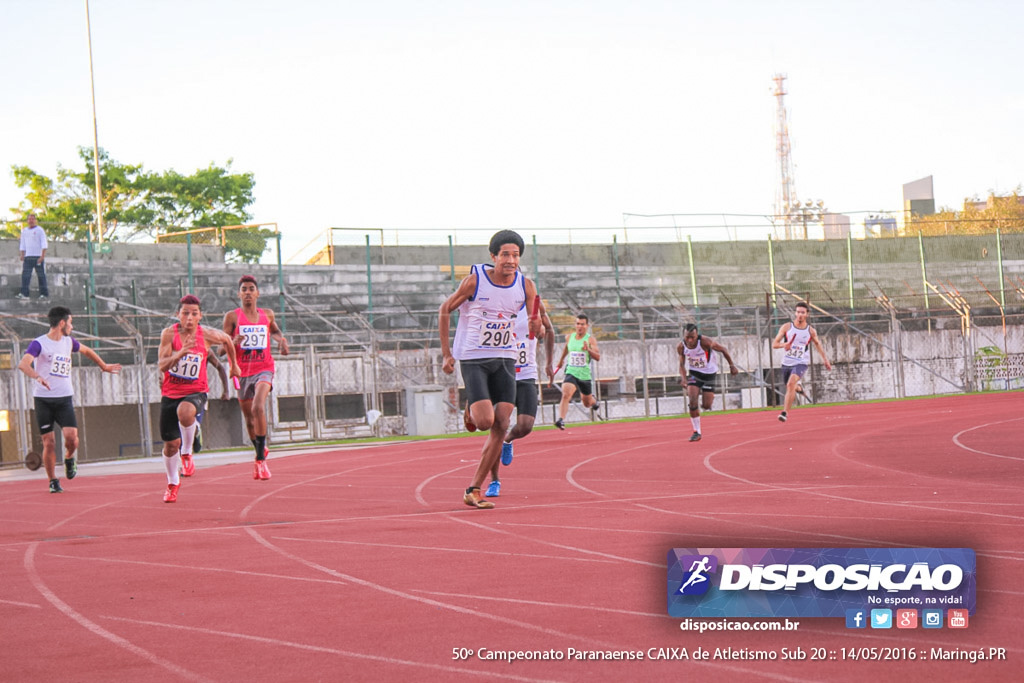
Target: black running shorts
584,385
50,411
489,379
527,393
702,380
169,414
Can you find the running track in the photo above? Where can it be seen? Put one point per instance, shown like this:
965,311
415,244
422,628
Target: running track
364,564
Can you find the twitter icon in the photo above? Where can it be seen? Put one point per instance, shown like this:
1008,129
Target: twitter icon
881,618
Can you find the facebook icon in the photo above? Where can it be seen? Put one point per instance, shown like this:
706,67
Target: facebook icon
856,618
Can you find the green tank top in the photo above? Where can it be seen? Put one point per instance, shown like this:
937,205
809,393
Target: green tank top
578,362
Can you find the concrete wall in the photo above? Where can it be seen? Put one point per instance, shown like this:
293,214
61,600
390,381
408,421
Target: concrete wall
865,368
571,277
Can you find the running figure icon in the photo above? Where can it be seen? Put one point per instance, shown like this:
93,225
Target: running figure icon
697,573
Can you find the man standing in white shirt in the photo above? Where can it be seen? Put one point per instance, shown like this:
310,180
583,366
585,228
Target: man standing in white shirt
33,253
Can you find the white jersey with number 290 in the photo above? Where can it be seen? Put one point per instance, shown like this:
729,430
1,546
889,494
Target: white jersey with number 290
486,327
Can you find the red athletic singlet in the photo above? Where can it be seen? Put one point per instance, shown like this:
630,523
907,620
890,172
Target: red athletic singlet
188,375
253,351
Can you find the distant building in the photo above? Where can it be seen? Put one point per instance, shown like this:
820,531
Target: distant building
919,198
991,202
880,225
837,226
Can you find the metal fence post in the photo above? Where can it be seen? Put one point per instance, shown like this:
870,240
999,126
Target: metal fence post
188,251
451,260
897,343
970,383
369,283
770,312
643,365
375,370
313,395
536,263
22,416
90,304
693,273
760,346
724,375
282,321
849,266
618,290
924,278
999,257
145,428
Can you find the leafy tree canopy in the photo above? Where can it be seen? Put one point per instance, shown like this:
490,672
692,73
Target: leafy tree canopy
140,202
977,217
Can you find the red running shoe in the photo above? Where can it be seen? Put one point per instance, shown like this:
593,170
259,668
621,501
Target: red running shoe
171,494
263,472
188,467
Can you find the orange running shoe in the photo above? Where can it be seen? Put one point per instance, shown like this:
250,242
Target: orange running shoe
171,494
472,499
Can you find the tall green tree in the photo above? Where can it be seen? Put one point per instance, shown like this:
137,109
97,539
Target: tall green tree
137,201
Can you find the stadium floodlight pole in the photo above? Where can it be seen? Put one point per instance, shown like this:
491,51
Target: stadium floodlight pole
95,133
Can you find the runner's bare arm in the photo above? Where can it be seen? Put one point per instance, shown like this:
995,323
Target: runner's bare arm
821,349
215,336
113,368
277,334
25,365
778,343
167,356
549,343
230,325
715,346
451,304
222,372
531,295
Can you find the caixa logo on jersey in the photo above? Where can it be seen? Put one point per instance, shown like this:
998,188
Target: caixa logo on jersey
816,582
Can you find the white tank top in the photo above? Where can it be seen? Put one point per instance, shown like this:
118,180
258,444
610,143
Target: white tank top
699,360
799,352
53,361
526,348
486,326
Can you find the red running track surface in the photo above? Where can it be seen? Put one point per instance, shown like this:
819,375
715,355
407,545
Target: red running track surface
364,564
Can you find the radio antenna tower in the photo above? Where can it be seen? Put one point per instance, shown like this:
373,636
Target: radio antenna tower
785,193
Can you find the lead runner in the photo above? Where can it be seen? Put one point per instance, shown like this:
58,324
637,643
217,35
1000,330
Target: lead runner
184,348
488,300
527,389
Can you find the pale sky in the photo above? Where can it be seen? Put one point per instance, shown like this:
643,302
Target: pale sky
441,115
